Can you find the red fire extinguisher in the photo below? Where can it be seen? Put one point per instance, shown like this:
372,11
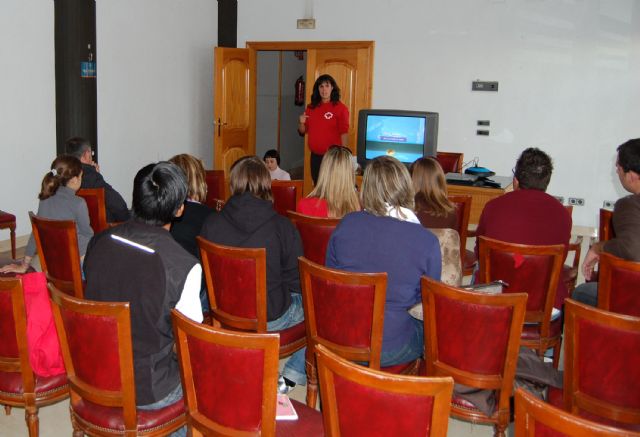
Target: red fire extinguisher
299,99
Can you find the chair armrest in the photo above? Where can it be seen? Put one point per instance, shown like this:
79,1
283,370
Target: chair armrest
576,246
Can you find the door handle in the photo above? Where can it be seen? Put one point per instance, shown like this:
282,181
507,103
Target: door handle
219,124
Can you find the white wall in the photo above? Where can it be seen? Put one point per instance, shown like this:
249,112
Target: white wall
155,63
267,68
568,73
291,143
27,105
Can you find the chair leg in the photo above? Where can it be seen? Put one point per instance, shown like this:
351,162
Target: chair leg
556,353
7,409
77,431
312,382
12,231
31,417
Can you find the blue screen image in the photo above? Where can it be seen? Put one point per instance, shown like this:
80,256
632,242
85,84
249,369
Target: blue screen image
397,136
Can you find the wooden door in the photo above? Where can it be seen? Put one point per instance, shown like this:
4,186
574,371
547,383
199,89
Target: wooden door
234,106
352,68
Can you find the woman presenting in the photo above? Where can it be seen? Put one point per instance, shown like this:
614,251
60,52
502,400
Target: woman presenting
326,120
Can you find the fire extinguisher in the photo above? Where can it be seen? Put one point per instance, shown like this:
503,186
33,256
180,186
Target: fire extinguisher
299,99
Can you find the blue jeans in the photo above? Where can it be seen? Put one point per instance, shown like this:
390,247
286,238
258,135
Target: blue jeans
294,369
411,350
586,293
171,398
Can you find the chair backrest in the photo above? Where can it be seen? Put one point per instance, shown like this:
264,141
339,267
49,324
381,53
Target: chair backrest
96,347
605,228
229,378
315,233
472,336
94,197
534,270
286,195
618,285
450,162
537,418
344,311
361,401
215,187
463,211
57,244
14,354
601,365
236,284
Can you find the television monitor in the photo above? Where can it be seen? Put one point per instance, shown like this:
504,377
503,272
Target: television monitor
405,135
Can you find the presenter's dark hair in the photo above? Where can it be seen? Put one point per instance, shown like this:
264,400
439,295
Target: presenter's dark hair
63,169
315,94
158,192
250,174
76,146
533,169
272,153
629,156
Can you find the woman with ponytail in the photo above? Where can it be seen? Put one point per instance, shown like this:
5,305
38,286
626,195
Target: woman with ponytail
58,201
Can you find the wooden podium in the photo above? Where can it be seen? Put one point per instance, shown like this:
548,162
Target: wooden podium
480,196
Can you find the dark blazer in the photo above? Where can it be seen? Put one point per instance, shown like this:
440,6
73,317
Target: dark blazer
116,206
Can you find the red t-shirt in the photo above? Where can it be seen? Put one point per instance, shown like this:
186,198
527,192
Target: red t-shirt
313,206
325,124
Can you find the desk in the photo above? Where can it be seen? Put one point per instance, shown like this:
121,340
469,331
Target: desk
480,195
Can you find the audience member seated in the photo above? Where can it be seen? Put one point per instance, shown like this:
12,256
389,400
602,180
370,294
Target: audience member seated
387,237
249,220
433,208
58,201
528,215
139,262
626,222
335,194
92,178
272,159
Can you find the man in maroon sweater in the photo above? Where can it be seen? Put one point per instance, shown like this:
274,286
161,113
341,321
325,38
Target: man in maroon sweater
528,215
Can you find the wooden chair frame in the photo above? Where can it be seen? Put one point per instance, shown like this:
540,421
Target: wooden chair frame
372,354
100,215
503,383
486,245
215,179
80,389
75,287
223,319
463,228
269,343
575,247
12,233
330,364
605,225
30,399
298,184
320,222
529,410
459,157
606,266
574,399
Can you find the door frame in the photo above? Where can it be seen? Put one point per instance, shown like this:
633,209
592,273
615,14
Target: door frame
255,46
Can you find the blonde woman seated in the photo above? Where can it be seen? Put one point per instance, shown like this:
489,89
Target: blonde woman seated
433,208
387,237
335,194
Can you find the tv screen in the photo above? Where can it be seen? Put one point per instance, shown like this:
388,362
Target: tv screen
405,135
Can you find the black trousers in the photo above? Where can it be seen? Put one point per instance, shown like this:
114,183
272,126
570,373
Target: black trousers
315,162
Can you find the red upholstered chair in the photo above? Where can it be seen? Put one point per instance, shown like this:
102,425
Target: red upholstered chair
215,187
473,337
605,229
619,285
96,347
357,401
94,197
19,386
57,244
463,210
534,270
8,221
286,195
237,288
536,418
602,366
229,381
344,311
315,233
450,162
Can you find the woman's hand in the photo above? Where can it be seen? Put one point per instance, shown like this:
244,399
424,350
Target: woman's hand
303,119
302,127
14,268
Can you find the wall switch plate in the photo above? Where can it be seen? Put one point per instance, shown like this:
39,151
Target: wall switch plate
484,122
482,132
306,23
479,85
576,201
608,204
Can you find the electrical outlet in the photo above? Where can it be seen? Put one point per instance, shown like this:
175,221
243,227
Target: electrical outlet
608,204
576,201
306,23
482,132
559,199
479,85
